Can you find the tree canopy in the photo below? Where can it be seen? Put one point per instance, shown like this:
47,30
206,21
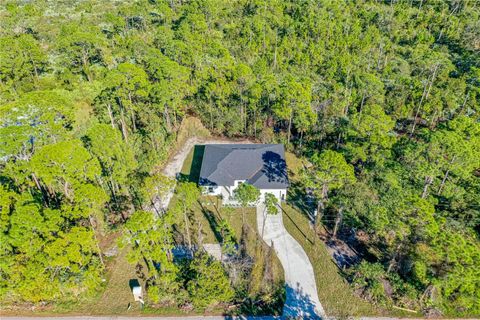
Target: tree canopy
380,98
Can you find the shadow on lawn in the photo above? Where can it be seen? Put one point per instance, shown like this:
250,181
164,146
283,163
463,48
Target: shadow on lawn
296,226
298,198
212,221
198,151
298,306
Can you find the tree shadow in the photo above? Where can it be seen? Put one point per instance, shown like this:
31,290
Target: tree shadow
298,198
299,305
296,226
274,167
212,221
182,177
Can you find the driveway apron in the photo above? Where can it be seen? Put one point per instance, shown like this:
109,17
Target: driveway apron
302,298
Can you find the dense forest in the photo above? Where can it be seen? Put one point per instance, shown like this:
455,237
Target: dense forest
381,97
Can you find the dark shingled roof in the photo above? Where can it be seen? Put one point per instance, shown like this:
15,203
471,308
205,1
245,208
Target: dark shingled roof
262,165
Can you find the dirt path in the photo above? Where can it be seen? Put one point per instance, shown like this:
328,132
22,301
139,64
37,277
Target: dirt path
175,164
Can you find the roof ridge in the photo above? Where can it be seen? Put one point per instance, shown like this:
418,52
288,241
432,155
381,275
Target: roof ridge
229,162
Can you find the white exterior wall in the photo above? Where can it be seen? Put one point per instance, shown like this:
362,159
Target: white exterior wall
277,192
216,191
227,192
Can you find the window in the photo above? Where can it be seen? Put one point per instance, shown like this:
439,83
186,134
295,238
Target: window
211,189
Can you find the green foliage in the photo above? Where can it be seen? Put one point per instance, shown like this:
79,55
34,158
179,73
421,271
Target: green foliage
271,203
42,260
209,284
157,186
116,158
368,277
188,193
371,136
330,171
151,238
381,97
21,64
246,194
228,236
35,119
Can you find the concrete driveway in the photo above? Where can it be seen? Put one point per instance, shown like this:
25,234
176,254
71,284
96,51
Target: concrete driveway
302,298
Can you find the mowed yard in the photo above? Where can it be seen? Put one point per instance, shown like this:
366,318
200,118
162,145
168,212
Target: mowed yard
116,298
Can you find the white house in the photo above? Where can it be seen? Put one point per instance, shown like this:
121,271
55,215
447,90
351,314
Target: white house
225,166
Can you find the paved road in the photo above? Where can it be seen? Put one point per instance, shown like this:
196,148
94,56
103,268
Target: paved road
302,298
140,317
188,318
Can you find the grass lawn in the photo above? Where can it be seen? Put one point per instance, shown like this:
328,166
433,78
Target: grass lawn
208,212
334,292
117,296
204,219
206,215
192,164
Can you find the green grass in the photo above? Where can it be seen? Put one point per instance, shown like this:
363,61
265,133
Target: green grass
204,219
334,292
206,214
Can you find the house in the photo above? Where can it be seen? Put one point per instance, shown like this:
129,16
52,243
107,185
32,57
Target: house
226,166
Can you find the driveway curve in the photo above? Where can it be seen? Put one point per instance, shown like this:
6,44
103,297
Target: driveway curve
301,290
302,298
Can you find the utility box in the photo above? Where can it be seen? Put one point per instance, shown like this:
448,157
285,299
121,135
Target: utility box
136,290
137,293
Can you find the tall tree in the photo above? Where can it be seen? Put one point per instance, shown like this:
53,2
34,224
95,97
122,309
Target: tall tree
188,193
246,194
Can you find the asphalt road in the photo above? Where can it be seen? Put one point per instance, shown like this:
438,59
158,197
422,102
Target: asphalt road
139,317
190,318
